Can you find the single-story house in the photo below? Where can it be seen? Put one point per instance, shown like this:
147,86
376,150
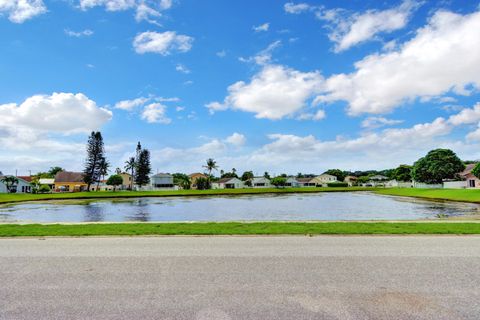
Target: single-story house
261,182
377,180
351,180
398,184
292,182
228,183
305,182
50,182
67,181
162,181
193,179
102,186
472,181
323,179
22,186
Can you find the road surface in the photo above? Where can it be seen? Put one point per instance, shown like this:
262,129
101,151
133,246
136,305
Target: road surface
212,278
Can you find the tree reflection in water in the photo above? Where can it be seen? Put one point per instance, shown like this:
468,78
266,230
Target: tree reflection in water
141,211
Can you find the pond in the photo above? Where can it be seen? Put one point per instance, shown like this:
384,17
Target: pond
291,207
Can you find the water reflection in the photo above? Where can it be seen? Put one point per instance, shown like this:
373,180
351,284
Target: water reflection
292,207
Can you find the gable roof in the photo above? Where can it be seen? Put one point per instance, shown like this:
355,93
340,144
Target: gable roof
225,180
26,178
197,175
468,169
69,176
162,175
304,180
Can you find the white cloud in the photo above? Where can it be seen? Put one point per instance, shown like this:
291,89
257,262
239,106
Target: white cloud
131,104
474,135
319,115
378,122
236,139
293,8
265,56
466,116
362,27
163,43
110,5
262,27
273,93
144,12
421,68
182,68
155,113
65,113
221,54
78,34
21,10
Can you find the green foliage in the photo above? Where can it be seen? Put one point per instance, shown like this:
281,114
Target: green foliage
247,175
337,184
476,170
266,175
229,175
143,168
436,166
44,189
337,173
403,173
203,184
130,166
210,166
53,171
363,179
11,183
115,180
279,181
182,180
95,157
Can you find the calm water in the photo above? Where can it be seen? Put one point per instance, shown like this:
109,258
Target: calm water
320,206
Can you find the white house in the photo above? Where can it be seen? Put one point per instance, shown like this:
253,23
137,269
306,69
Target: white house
162,181
305,182
377,180
261,182
323,179
292,182
228,183
22,186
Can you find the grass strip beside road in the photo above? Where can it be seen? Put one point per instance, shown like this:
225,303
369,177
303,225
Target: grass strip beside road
239,228
11,198
463,195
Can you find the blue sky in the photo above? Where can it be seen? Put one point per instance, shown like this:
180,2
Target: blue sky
257,85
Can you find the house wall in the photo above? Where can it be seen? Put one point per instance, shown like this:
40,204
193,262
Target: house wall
70,186
22,187
127,181
455,184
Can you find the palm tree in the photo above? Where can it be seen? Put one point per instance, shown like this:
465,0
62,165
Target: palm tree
211,165
10,182
130,165
103,169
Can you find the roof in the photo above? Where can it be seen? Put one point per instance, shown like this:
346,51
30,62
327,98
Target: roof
351,178
304,180
26,178
46,181
378,177
68,176
326,175
255,179
162,175
468,169
225,180
197,174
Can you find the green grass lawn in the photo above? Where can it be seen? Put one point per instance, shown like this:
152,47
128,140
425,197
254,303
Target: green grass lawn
238,228
465,195
9,198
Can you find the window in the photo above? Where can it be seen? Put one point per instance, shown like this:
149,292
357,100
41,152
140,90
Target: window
471,183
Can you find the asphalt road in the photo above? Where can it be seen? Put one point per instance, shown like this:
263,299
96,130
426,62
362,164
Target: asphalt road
241,278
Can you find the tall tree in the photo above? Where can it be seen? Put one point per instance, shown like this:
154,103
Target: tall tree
337,173
210,166
143,169
103,168
115,180
95,155
266,175
130,165
403,173
436,166
247,175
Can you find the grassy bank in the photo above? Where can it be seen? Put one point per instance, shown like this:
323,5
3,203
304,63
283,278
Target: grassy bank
237,228
464,195
9,198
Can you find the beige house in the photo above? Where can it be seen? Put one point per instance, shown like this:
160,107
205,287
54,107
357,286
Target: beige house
471,180
193,179
351,180
127,181
323,179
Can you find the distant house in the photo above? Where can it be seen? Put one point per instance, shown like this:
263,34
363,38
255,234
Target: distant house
50,182
261,182
126,181
351,180
292,182
323,179
305,182
377,180
194,177
22,186
228,183
101,186
162,181
67,181
471,180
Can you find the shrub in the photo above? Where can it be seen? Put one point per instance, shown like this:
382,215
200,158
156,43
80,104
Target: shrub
44,189
337,184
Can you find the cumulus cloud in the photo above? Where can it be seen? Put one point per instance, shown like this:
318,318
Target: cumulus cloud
131,104
420,68
262,27
110,5
182,68
466,116
19,11
273,93
236,139
78,34
265,56
163,43
319,115
155,113
293,8
378,122
358,28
